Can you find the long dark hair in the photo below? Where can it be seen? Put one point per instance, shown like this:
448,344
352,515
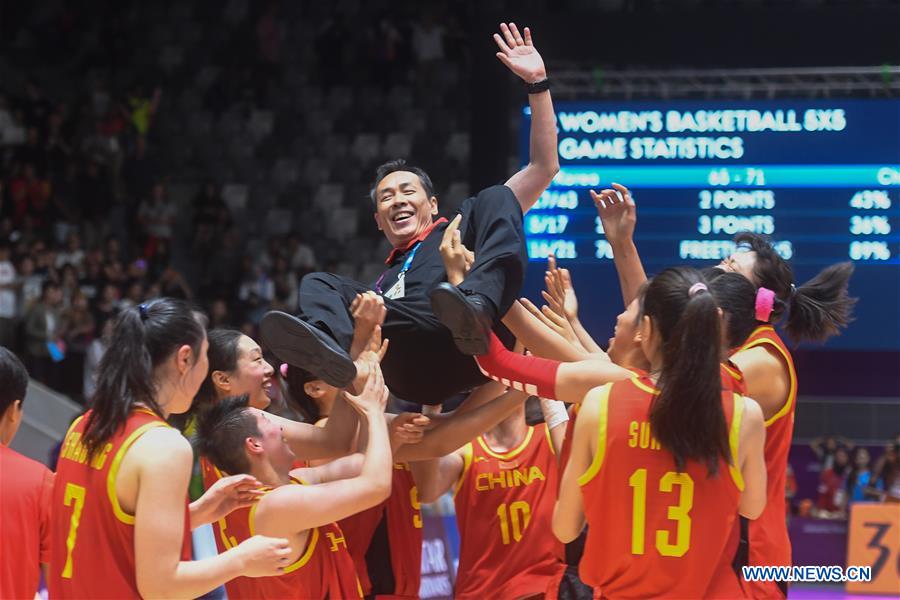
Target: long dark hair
143,338
817,309
736,296
223,356
687,416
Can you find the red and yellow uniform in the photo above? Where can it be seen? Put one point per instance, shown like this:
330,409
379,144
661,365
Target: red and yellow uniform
26,488
662,544
733,378
324,569
92,538
769,541
385,541
504,508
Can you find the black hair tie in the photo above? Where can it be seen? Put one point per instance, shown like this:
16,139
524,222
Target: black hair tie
142,309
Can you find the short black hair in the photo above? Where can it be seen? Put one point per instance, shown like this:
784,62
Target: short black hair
13,379
221,431
395,165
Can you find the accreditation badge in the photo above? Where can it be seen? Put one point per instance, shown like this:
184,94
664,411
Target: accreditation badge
398,290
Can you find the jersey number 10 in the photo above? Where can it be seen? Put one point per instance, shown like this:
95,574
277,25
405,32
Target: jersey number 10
515,517
680,513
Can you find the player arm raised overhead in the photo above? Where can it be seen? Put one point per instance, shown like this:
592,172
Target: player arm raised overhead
338,436
518,53
163,465
618,215
561,299
295,508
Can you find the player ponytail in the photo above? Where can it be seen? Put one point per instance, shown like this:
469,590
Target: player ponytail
817,309
143,337
687,416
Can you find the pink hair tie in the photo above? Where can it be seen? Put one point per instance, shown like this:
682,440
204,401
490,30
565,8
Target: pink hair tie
283,369
697,288
765,302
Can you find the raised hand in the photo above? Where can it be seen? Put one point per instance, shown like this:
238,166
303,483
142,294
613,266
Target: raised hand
457,258
519,54
374,394
551,319
617,213
560,293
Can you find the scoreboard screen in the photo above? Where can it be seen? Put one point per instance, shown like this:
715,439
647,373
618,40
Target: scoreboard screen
821,177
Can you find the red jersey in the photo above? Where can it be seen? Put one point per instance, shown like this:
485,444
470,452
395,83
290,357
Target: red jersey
769,541
325,569
92,537
663,543
358,530
733,378
385,541
504,507
26,487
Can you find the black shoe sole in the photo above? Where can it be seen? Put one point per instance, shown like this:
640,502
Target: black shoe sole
296,343
469,333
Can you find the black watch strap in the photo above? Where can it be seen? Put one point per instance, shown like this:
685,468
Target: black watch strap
538,86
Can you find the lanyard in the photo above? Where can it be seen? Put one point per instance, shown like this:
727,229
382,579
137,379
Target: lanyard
403,270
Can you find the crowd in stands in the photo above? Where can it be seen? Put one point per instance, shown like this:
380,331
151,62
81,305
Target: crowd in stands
142,166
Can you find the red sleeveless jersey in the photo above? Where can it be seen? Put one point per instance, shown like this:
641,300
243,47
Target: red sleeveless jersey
403,548
324,569
358,531
92,538
769,540
661,542
504,507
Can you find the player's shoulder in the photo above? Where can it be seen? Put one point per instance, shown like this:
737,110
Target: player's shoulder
163,443
23,467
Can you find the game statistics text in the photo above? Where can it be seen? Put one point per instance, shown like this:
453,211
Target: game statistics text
821,177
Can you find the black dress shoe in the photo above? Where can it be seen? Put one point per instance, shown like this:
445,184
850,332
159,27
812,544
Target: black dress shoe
467,317
298,343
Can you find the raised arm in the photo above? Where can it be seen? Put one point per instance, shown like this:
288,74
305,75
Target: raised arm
457,430
295,508
561,291
618,215
522,58
164,466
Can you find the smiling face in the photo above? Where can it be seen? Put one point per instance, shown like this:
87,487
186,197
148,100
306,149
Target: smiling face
402,207
253,375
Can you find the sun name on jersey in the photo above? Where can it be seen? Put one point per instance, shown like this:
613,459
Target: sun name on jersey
639,436
508,478
76,451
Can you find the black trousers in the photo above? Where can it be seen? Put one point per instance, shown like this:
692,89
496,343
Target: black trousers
422,364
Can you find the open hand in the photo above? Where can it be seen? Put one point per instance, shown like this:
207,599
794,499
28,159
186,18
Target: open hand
519,54
229,494
617,213
374,395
